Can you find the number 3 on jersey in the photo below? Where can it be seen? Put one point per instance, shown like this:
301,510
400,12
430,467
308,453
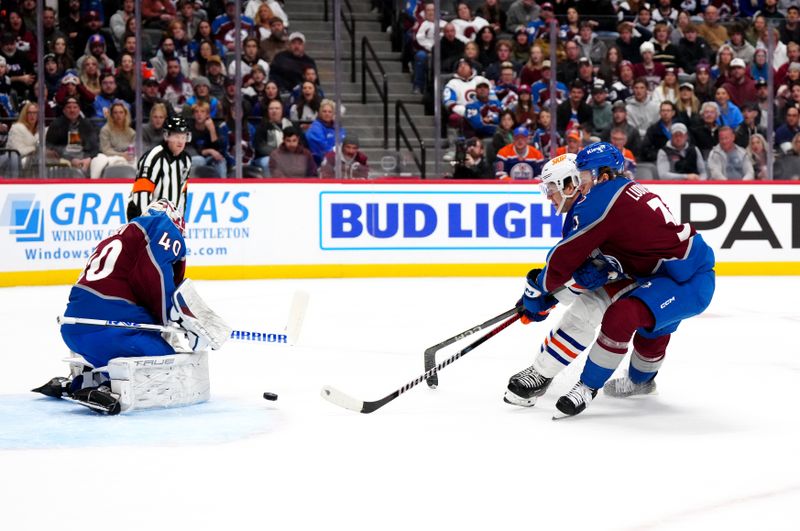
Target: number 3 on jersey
658,205
166,243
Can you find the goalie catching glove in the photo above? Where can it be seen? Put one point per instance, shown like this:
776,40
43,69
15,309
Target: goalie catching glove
203,327
535,304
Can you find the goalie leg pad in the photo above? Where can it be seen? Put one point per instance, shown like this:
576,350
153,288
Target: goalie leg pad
160,381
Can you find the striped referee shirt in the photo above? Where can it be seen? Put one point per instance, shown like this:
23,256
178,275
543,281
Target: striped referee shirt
160,175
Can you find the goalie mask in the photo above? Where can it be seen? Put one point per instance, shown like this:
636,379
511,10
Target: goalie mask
556,175
164,205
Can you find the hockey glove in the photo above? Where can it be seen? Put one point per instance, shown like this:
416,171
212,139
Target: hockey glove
535,304
597,271
197,341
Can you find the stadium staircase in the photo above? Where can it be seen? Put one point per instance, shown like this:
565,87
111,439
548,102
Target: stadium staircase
366,119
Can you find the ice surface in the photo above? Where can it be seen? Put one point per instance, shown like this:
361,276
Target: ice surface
717,449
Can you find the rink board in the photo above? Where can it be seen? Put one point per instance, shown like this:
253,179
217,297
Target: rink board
328,229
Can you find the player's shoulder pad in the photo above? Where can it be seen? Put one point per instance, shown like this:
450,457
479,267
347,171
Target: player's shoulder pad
594,205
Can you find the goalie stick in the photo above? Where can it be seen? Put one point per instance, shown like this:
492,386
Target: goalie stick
430,352
269,337
342,400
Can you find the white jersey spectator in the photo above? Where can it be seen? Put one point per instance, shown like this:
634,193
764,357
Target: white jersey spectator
252,6
249,58
460,90
467,26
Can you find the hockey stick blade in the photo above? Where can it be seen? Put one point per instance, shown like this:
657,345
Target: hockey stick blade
334,396
341,399
297,313
430,352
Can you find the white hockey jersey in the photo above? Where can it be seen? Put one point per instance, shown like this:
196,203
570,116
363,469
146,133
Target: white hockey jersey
466,30
459,92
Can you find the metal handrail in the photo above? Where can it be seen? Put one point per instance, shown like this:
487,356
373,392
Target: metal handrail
383,91
399,133
350,26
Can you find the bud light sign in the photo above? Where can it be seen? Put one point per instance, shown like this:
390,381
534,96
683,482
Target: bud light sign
446,220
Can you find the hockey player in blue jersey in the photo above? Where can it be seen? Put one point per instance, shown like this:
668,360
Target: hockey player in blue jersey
672,264
136,275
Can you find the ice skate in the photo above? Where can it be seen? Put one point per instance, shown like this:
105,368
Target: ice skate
525,387
624,387
575,401
98,398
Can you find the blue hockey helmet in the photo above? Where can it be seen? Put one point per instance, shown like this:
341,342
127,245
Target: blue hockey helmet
600,155
166,207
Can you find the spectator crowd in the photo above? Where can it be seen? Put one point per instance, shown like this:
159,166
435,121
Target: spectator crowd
680,86
188,69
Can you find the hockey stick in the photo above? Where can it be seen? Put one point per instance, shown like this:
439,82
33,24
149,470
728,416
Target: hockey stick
265,337
430,352
342,400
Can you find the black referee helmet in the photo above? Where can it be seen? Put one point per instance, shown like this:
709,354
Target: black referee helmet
176,124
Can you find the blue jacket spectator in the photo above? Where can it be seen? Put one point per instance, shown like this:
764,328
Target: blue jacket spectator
321,135
483,114
729,114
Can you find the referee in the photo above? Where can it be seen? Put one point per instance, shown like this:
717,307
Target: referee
163,171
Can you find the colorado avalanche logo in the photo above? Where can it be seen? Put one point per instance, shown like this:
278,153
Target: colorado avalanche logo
470,95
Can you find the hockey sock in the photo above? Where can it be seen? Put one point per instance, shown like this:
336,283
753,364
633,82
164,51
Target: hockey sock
558,350
619,323
648,355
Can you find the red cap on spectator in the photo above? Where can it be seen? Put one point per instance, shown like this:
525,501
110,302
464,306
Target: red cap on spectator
92,15
546,5
625,62
524,88
574,134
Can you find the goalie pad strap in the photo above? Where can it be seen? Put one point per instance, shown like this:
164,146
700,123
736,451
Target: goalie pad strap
160,381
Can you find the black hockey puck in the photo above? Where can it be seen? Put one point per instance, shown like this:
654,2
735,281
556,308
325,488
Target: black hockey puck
270,396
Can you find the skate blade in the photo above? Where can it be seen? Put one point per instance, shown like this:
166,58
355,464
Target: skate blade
613,394
514,400
560,415
110,410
